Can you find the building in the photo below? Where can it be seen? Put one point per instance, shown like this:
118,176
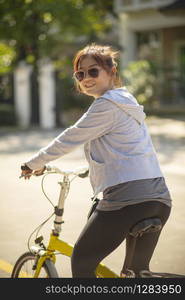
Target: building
155,30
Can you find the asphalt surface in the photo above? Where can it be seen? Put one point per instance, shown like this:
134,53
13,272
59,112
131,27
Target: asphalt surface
24,207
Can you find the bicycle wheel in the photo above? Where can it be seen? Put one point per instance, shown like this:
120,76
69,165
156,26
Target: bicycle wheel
24,267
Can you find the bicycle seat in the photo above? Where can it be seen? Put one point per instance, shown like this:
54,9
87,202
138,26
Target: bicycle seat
144,226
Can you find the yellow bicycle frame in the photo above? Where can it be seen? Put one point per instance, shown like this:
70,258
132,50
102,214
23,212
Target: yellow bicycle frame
55,244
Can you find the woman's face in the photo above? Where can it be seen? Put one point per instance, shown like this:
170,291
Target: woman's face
94,86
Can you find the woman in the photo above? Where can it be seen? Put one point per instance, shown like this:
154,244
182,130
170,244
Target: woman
122,164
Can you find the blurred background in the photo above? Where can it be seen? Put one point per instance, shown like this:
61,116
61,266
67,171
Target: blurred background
38,40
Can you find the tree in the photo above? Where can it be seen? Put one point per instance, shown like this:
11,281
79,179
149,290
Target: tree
43,27
141,80
52,28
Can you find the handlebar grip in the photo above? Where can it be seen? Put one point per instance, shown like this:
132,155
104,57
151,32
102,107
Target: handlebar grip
24,167
83,175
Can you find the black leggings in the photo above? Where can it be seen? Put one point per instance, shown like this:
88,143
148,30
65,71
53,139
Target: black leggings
106,230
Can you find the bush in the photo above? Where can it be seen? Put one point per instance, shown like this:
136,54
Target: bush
7,115
141,81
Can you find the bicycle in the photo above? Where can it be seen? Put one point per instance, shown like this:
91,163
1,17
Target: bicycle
40,260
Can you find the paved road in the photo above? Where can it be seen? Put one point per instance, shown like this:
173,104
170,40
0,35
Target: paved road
23,206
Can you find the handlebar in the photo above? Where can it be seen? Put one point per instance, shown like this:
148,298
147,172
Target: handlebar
82,171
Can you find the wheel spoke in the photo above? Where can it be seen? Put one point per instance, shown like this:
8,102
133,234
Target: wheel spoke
24,267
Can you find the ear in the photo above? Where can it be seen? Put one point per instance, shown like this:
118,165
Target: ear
114,70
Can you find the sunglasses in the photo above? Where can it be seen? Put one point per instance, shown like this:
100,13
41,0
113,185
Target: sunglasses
80,75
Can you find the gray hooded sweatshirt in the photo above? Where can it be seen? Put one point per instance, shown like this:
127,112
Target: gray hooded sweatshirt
116,141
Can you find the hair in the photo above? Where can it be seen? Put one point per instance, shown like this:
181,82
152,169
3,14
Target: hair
105,56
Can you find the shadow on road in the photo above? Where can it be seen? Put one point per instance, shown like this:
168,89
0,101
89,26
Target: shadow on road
169,143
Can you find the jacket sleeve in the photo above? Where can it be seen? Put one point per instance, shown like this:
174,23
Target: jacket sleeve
96,122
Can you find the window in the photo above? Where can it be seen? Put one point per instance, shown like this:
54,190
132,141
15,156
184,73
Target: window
127,2
149,45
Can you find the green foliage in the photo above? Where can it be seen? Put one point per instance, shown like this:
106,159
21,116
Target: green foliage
35,29
44,27
7,55
140,79
7,115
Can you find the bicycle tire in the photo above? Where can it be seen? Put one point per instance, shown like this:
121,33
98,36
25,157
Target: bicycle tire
18,271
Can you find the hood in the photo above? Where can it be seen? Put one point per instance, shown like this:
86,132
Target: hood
122,98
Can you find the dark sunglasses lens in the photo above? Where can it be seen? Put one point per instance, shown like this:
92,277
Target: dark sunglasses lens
93,72
79,76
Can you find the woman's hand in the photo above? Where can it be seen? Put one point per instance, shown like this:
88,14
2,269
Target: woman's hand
39,172
26,172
